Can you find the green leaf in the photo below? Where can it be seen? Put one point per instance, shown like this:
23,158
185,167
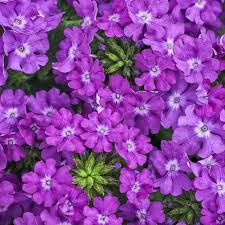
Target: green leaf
115,67
99,189
81,173
90,182
100,180
90,163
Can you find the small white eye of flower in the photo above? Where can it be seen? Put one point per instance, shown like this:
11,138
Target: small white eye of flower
136,188
174,101
145,16
46,182
194,63
172,165
114,18
202,130
102,130
19,21
200,4
117,98
67,131
23,50
11,113
142,109
103,219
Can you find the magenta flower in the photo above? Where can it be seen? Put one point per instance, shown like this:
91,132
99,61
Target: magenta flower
103,212
44,103
32,129
12,109
136,185
143,213
171,164
147,16
176,100
165,44
71,205
222,117
100,130
113,19
28,219
64,131
146,112
45,184
158,71
199,135
74,46
87,77
133,147
13,146
193,57
3,159
116,95
26,53
210,188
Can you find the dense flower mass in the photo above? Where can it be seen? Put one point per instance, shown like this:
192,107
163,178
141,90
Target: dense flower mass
112,112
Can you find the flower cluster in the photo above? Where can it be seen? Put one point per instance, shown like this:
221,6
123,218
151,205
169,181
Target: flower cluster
24,42
133,129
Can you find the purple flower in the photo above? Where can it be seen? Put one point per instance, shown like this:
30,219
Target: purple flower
116,95
199,135
64,131
13,146
146,15
32,128
71,205
44,103
171,164
144,213
21,17
3,72
103,212
100,130
136,185
26,53
177,99
45,184
133,147
222,117
87,77
3,159
113,19
7,193
87,9
193,57
211,217
158,71
210,188
165,44
74,46
211,100
146,112
28,219
202,11
12,109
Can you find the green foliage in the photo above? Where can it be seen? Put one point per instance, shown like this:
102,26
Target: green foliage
183,208
95,173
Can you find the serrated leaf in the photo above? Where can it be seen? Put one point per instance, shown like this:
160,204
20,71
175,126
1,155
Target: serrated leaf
97,168
81,182
100,180
99,189
90,182
79,164
81,173
106,169
178,211
90,163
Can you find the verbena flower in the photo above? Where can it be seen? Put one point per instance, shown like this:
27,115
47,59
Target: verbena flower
28,218
171,164
3,72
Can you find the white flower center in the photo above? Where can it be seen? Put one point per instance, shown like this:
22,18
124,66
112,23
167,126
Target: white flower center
220,187
72,51
142,109
67,131
208,162
86,22
130,145
202,130
141,215
46,182
194,63
102,130
48,111
67,207
11,113
145,16
155,71
10,141
102,219
64,223
174,101
169,46
23,50
117,98
172,166
200,4
85,77
220,219
114,18
34,128
19,21
136,188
